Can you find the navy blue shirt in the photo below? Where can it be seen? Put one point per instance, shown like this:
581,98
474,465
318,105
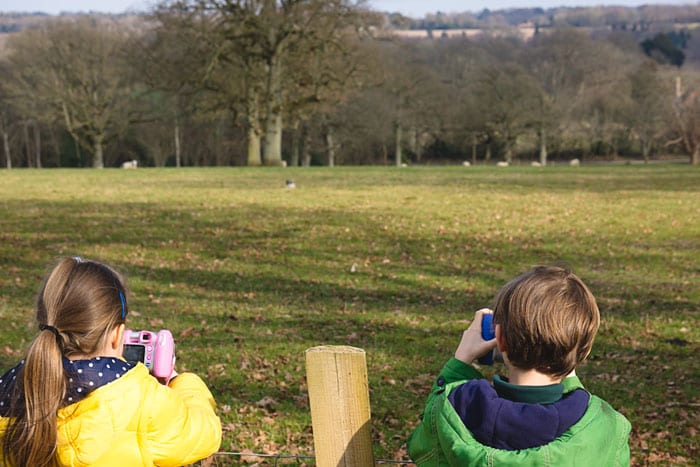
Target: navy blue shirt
496,420
84,376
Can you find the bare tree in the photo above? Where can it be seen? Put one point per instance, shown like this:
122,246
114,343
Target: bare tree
650,105
560,64
6,117
73,69
508,97
687,116
259,40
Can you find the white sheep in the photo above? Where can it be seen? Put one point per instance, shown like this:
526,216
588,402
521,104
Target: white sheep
502,164
574,162
130,164
466,164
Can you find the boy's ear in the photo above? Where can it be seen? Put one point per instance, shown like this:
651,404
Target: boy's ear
500,340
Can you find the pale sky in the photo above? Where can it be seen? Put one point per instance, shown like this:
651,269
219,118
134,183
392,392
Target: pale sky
415,8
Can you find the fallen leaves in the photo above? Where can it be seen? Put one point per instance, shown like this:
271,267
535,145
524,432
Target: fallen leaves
270,276
266,403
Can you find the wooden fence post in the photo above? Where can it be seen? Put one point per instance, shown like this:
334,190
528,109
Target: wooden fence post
340,410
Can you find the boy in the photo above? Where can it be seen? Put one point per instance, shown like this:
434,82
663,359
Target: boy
545,322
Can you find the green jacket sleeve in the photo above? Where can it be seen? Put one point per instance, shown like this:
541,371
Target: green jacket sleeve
419,441
454,370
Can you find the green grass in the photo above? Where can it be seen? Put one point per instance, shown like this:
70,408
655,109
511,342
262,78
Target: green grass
249,274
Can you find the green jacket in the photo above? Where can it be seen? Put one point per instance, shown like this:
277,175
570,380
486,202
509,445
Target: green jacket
441,439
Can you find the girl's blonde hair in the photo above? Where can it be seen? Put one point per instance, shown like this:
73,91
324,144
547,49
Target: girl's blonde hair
79,305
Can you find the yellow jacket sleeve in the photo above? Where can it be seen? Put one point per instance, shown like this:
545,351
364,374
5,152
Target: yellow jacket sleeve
182,423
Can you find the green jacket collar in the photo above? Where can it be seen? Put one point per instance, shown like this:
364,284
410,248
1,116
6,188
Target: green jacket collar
548,394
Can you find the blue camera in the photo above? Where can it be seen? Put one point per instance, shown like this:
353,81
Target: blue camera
487,333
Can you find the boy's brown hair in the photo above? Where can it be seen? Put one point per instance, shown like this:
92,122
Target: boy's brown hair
548,320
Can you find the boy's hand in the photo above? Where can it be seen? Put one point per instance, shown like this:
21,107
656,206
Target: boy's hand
472,345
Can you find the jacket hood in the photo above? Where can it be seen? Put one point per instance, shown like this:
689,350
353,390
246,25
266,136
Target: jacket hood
598,438
505,424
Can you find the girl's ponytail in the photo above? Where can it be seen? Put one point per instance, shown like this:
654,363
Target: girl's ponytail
31,439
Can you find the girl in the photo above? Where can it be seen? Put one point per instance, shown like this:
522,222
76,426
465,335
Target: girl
74,401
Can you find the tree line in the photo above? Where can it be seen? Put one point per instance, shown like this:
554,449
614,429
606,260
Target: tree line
323,82
619,17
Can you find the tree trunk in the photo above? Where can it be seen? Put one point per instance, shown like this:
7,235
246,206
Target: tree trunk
399,150
254,147
6,146
695,156
306,148
37,145
27,150
413,142
254,158
69,127
646,150
98,161
296,144
508,152
219,148
158,155
385,154
487,156
330,147
474,149
178,162
55,145
272,149
543,147
413,139
509,146
78,154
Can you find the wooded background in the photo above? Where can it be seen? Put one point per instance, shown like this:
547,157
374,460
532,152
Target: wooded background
330,82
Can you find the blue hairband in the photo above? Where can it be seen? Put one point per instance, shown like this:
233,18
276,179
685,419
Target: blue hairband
121,298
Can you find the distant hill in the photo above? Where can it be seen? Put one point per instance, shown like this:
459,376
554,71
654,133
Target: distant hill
16,22
627,18
12,23
636,23
640,18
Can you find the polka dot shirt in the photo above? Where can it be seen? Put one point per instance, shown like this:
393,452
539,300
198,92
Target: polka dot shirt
84,376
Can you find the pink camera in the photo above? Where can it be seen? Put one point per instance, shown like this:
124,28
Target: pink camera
155,350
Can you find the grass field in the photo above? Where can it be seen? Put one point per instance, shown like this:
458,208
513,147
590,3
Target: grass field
249,274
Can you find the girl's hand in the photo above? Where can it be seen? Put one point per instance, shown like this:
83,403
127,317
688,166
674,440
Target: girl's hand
166,381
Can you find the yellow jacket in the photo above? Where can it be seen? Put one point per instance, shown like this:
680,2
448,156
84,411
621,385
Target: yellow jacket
137,421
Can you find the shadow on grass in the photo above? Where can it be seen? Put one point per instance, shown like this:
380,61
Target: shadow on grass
252,287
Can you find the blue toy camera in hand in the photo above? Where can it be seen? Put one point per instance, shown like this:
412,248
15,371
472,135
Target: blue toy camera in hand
487,333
